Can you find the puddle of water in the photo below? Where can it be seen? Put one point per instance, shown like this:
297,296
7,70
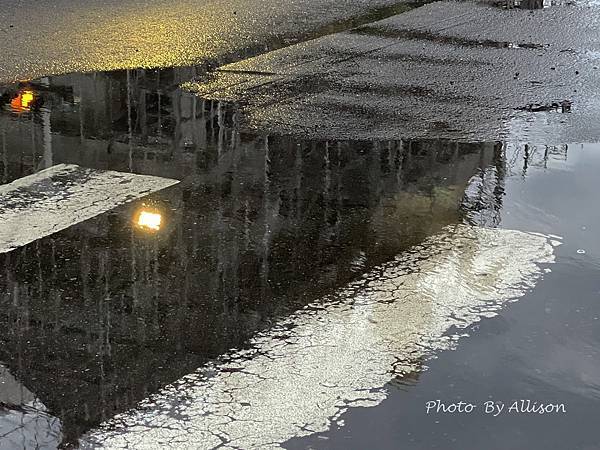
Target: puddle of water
102,314
261,230
563,106
301,376
542,348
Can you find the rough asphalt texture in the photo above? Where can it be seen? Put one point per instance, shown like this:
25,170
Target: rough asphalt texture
49,37
461,71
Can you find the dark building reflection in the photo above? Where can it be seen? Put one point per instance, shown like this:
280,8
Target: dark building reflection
95,318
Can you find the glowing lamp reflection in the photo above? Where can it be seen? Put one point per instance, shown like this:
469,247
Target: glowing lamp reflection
23,101
149,220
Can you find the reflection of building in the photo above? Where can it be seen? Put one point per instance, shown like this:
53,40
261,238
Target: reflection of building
483,199
133,120
99,315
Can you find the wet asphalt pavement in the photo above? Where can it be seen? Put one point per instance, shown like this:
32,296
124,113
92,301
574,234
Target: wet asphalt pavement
49,37
453,70
292,251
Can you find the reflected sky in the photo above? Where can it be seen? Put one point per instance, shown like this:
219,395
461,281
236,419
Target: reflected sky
338,353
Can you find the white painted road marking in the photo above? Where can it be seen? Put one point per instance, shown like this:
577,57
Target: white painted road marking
64,195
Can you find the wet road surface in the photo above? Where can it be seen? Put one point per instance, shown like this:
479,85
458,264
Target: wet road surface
454,70
49,37
248,289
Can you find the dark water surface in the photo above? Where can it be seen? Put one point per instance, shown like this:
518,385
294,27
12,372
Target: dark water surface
543,348
96,318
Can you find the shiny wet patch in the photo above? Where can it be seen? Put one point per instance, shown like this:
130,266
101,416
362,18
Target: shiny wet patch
299,377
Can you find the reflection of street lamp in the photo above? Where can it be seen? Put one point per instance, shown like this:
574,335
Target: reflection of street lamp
150,220
23,101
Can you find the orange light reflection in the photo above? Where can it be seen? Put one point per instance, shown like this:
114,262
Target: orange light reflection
23,101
